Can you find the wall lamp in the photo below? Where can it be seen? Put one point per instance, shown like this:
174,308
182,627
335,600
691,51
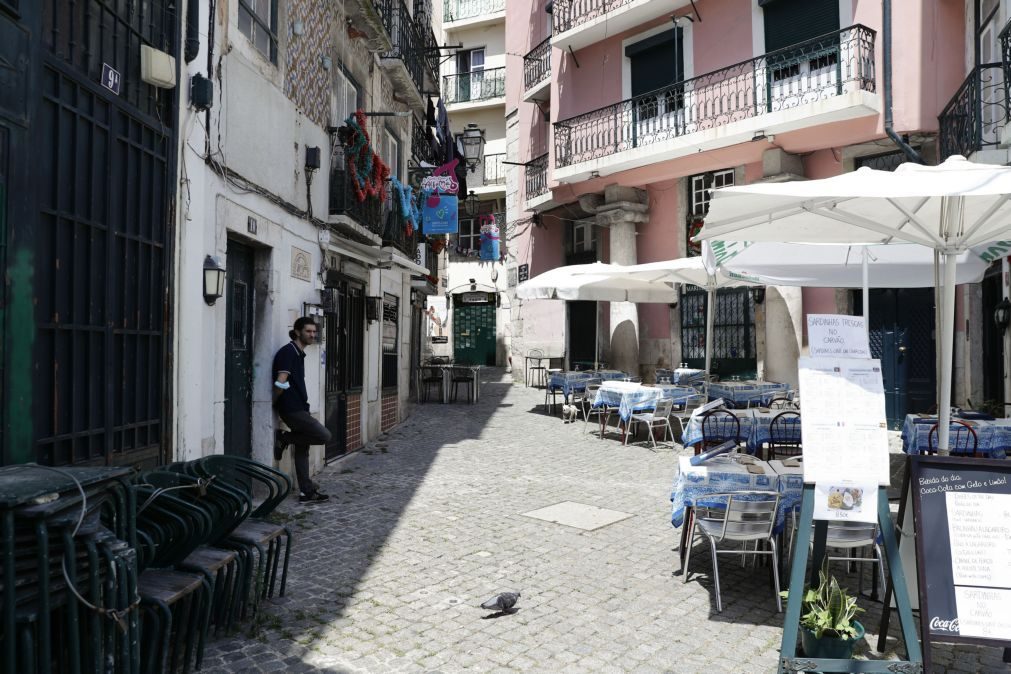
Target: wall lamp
758,294
470,203
214,280
1002,314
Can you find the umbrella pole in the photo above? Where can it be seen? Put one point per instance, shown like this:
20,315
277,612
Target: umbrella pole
947,339
938,292
866,293
596,335
710,310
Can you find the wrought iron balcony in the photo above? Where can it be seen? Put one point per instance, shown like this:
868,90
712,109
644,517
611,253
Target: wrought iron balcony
369,214
408,46
976,116
537,176
395,231
460,10
421,143
818,69
475,86
537,64
568,14
493,170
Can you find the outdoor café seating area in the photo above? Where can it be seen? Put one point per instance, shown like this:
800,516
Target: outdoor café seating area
141,568
442,380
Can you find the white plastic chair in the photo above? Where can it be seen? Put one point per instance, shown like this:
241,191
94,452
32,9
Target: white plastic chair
749,516
658,416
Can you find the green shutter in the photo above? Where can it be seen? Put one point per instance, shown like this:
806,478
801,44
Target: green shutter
655,63
789,22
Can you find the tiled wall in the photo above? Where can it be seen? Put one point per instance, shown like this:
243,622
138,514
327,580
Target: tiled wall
388,419
354,422
308,84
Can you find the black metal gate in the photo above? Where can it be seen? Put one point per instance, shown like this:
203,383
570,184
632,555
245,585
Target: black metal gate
734,350
92,246
344,331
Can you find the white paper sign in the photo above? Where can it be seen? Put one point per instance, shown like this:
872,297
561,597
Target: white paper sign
846,501
843,426
980,536
983,612
837,336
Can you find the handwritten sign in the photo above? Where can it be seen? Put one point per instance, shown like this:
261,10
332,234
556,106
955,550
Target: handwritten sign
963,548
843,428
836,336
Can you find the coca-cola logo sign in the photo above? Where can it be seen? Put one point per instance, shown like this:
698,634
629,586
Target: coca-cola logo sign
938,625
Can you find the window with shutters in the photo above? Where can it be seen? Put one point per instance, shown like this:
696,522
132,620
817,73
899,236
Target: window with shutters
346,96
657,62
801,74
699,187
391,315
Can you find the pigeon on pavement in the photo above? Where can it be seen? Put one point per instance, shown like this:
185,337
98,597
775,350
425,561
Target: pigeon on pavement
503,602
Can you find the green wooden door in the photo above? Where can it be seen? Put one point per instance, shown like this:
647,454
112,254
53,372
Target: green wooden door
474,334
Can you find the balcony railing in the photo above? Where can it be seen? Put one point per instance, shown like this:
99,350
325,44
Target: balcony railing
814,70
458,10
537,176
421,143
537,64
385,9
468,241
395,231
369,213
493,170
407,43
568,14
477,85
976,116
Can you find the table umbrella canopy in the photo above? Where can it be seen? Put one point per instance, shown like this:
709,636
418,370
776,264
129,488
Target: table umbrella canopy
948,208
699,271
593,282
899,265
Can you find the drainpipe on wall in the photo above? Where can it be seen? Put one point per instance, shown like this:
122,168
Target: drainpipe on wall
886,36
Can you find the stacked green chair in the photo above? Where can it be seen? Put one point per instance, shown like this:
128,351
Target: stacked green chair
266,488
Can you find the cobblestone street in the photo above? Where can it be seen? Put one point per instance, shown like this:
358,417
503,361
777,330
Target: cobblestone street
426,523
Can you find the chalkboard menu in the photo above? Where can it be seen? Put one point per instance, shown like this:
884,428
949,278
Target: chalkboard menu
963,548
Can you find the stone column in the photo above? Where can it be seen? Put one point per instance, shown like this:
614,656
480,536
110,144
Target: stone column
622,210
784,330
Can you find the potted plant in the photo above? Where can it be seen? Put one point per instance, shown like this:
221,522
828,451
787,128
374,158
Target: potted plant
828,625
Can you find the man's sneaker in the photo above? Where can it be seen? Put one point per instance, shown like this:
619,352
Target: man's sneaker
315,497
279,444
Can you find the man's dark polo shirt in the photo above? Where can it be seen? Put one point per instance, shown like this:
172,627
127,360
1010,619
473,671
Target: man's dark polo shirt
291,359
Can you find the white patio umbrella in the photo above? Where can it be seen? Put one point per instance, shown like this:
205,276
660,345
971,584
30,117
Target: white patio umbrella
948,208
701,271
594,283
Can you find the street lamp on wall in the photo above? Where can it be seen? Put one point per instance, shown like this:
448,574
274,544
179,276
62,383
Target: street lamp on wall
470,203
1002,314
758,294
473,145
214,280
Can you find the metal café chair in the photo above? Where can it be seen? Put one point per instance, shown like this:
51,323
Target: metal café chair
962,441
589,410
431,376
659,416
782,403
718,426
465,376
684,412
749,516
851,536
784,435
538,370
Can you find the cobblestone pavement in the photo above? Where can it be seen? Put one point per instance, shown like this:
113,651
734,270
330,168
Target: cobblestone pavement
425,523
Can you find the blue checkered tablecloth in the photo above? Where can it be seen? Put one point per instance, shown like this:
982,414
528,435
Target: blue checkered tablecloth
609,375
567,382
721,474
740,393
993,436
681,375
755,425
679,394
627,396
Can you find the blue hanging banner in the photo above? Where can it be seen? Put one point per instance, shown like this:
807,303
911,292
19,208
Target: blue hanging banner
439,214
489,238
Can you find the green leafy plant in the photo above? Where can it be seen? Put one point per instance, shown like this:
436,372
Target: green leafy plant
828,610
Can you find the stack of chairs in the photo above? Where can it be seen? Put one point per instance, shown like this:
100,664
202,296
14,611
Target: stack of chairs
102,569
68,570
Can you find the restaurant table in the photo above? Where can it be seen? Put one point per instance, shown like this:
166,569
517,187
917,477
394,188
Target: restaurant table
993,435
723,474
610,375
693,431
567,382
447,379
681,375
679,394
740,393
627,396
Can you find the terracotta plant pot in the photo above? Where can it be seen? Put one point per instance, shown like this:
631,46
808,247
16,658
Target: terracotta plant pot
830,647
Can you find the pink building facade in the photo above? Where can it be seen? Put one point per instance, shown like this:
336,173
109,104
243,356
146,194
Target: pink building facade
637,109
